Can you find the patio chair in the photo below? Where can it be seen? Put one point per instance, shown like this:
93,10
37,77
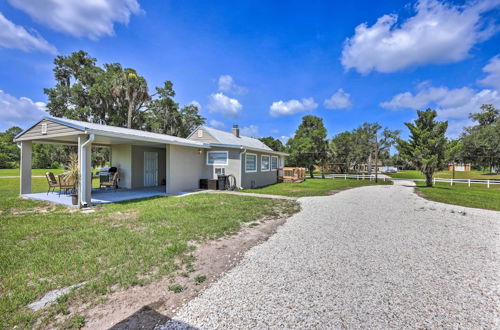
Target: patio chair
111,183
51,180
65,184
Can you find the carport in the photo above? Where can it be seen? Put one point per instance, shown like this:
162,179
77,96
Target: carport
148,163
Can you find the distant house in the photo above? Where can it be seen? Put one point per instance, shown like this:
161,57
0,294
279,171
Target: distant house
459,167
147,160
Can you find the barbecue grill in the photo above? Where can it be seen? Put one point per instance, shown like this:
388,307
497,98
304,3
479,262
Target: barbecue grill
106,173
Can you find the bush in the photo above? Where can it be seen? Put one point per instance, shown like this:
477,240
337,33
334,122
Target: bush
55,165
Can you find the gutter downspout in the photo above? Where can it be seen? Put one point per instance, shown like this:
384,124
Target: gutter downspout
91,138
242,165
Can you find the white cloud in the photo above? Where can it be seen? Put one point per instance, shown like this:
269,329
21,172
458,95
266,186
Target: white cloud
226,84
16,36
473,104
224,105
19,111
78,18
441,96
339,100
196,104
292,107
275,131
493,71
453,105
438,33
252,131
216,124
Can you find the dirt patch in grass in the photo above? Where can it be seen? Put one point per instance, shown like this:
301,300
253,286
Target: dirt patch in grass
144,307
36,209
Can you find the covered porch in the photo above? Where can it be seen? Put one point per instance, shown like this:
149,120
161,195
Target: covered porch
148,164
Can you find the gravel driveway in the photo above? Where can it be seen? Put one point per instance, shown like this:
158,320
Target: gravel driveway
370,257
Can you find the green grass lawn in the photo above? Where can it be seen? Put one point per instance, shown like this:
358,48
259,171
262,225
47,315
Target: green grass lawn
312,187
411,174
35,171
120,245
460,194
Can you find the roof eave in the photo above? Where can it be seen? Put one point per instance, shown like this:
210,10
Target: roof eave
146,139
236,146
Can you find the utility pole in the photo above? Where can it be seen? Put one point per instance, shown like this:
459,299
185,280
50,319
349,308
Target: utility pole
376,159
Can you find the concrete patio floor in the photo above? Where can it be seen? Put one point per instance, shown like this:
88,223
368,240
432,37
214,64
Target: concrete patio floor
101,196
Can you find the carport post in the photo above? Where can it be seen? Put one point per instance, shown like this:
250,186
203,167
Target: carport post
84,165
25,170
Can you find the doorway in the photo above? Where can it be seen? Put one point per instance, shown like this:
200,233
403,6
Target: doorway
150,168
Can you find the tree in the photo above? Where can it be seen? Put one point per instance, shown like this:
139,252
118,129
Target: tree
453,150
9,152
481,142
273,143
133,89
308,147
341,150
163,115
426,145
381,143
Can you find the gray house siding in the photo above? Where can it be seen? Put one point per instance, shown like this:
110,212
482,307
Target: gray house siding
205,136
259,178
232,167
53,130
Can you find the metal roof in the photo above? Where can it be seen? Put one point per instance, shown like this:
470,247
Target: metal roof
114,131
229,138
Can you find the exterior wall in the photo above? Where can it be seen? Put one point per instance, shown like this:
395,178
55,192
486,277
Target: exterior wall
233,164
121,157
205,136
259,178
138,165
53,129
184,168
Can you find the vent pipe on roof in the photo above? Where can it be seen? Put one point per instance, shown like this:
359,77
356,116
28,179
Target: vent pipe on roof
236,131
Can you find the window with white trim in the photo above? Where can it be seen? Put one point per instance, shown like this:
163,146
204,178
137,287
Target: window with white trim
200,133
250,163
264,163
217,157
274,163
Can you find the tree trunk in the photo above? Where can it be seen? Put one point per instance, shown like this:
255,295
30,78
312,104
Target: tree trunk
322,171
129,115
311,171
428,179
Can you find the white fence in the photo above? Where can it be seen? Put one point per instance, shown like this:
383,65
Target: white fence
371,177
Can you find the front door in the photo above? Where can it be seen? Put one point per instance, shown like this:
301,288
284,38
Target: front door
150,169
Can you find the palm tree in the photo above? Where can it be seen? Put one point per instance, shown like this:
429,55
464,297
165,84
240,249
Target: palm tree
133,88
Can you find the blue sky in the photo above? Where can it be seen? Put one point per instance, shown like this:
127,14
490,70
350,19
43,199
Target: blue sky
265,64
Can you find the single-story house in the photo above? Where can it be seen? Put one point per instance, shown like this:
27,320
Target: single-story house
150,160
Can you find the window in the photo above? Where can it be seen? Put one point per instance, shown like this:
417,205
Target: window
274,163
44,128
220,171
217,158
200,133
251,163
264,163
